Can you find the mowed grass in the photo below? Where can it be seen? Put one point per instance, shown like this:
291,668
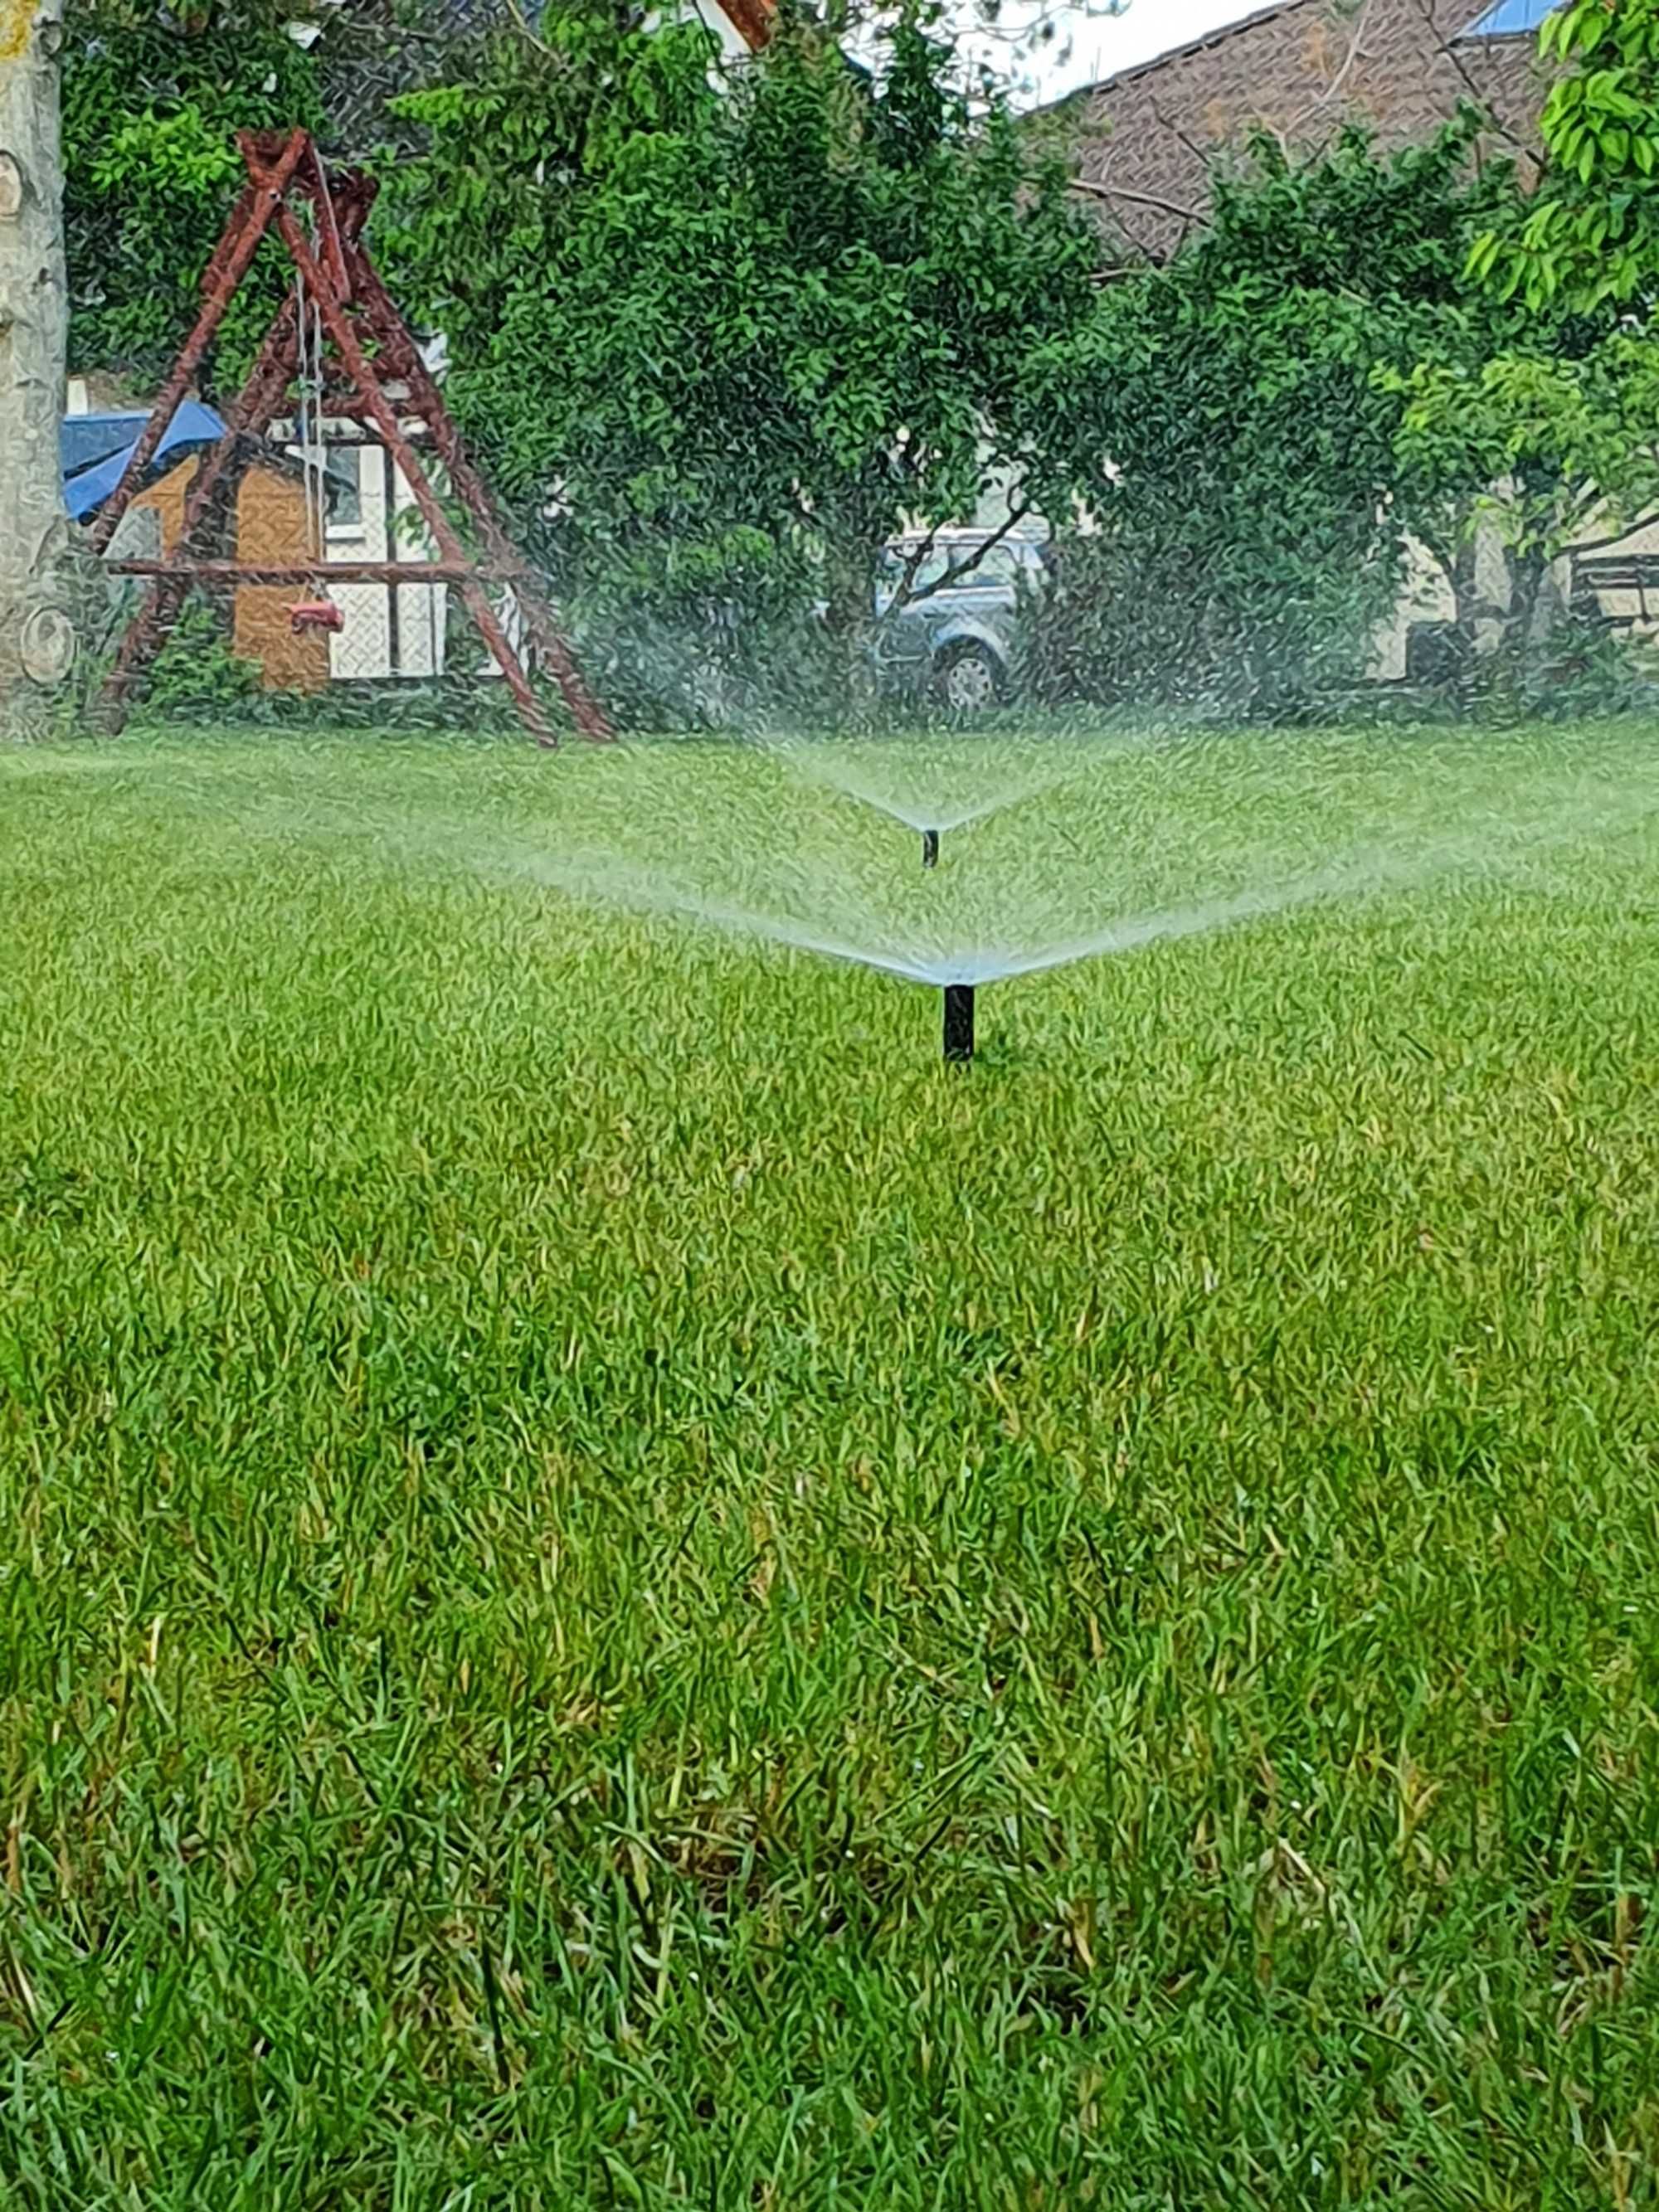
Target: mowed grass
617,1590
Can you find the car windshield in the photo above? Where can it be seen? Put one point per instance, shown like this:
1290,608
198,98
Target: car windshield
1000,566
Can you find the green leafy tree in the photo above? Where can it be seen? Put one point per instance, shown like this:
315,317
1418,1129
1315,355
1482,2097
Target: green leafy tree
1249,506
155,92
720,340
1591,233
1553,450
153,98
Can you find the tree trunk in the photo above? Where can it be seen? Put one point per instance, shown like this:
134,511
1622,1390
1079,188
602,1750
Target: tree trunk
1473,605
1527,573
37,631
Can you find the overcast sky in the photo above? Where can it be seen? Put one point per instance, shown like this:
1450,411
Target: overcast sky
1089,44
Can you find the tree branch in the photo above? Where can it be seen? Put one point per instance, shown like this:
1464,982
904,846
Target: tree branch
1204,156
907,596
1600,545
902,597
1105,191
1323,99
1448,49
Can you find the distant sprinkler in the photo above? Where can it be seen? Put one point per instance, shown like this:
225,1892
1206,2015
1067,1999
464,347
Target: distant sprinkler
959,1022
930,848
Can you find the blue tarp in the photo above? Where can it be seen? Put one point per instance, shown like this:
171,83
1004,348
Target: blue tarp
85,439
94,450
1511,19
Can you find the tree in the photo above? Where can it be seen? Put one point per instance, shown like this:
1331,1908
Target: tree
1591,233
37,631
1567,437
719,342
155,92
1545,446
1249,505
154,96
152,100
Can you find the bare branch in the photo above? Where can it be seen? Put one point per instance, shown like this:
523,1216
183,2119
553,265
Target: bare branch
1600,545
1325,97
1204,156
902,597
907,595
1448,48
1110,193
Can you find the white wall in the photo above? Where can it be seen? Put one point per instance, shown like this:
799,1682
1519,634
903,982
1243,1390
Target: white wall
1427,597
389,630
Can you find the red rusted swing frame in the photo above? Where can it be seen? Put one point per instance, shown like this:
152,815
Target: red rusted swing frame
374,353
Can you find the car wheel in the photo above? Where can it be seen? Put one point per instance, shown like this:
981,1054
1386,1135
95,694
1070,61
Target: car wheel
969,681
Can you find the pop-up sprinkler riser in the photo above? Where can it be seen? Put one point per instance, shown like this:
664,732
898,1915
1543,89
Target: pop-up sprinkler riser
958,997
959,1022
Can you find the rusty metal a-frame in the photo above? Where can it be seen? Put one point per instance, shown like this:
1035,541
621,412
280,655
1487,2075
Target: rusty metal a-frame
379,379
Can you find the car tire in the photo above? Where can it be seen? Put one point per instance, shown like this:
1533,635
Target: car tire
969,681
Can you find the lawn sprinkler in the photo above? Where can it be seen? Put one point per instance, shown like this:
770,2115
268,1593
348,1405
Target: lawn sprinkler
930,848
959,1022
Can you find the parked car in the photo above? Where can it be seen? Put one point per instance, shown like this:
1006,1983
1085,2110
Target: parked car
960,638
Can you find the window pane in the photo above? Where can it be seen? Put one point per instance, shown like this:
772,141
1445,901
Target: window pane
999,567
996,566
345,486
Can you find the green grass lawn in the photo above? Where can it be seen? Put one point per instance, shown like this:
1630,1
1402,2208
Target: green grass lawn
616,1590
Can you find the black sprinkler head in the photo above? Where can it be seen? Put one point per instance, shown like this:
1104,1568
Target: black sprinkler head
930,848
959,1022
